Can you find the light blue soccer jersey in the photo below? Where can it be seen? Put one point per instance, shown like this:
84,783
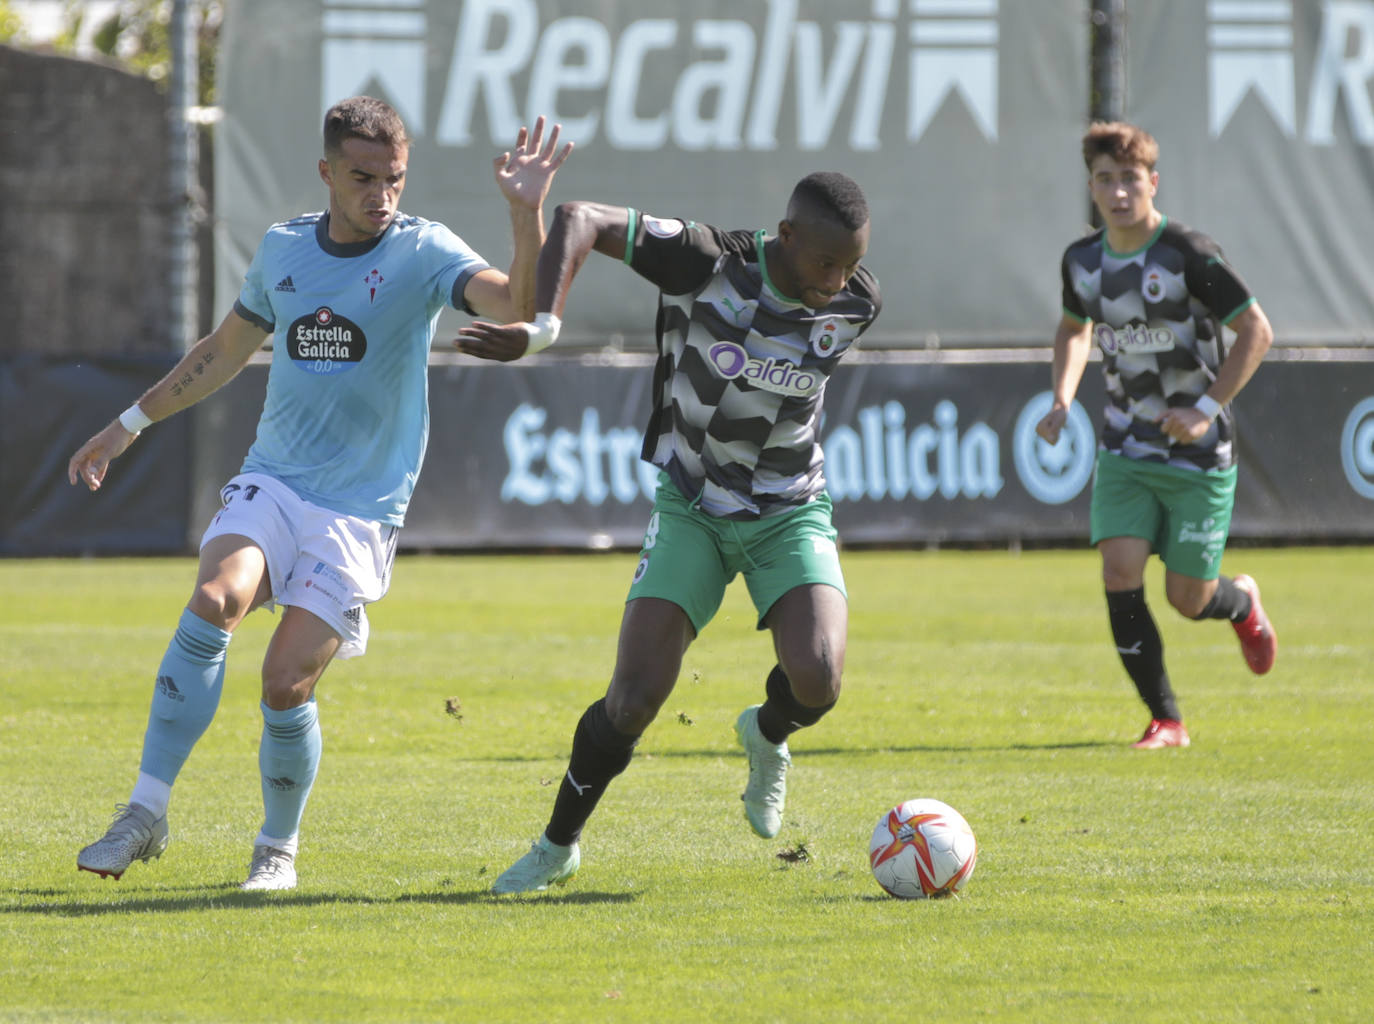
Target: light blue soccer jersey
346,418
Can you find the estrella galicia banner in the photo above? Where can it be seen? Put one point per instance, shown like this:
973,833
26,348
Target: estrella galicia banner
917,452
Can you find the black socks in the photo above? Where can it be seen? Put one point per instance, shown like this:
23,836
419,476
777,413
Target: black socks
599,754
1142,651
781,714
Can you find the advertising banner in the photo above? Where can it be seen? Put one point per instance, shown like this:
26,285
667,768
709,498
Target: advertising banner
48,409
917,452
960,119
1265,120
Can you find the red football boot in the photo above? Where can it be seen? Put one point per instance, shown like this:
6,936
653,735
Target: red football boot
1258,642
1163,732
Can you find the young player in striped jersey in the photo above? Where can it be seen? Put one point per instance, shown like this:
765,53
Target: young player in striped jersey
749,329
352,296
1154,296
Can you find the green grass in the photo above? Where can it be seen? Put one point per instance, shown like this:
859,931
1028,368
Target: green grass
1233,881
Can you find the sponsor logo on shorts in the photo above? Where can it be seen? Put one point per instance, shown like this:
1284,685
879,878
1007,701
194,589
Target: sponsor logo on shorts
1205,533
640,569
329,581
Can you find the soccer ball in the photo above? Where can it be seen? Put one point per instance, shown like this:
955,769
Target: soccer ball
922,849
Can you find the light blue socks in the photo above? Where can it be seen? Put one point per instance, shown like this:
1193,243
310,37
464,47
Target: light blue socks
289,757
186,696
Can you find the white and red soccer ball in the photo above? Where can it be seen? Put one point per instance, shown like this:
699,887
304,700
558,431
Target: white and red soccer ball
922,849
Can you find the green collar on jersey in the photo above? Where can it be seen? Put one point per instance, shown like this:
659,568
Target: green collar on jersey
1163,220
763,270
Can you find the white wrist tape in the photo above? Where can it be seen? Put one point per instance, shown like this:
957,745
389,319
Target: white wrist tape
543,332
134,419
1208,406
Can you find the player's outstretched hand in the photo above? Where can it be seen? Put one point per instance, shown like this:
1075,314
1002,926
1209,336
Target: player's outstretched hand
526,173
1052,423
501,342
88,465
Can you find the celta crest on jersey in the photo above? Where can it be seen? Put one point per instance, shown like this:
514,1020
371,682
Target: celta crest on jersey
732,362
325,342
1133,339
373,280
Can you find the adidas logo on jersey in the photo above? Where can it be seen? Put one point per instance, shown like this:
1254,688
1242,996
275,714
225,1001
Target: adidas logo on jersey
286,284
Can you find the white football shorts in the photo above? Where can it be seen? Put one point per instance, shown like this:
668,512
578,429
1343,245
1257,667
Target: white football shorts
331,565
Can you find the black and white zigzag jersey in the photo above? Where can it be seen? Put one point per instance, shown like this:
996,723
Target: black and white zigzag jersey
741,370
1157,315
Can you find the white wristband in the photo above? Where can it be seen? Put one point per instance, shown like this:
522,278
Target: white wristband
1208,406
134,419
543,332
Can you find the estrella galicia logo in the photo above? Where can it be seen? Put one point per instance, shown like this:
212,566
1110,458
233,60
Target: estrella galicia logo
1054,473
782,378
325,342
1357,448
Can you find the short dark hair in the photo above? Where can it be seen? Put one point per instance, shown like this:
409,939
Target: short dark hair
1124,143
363,117
833,195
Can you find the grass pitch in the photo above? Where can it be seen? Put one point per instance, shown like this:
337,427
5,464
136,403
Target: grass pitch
1233,881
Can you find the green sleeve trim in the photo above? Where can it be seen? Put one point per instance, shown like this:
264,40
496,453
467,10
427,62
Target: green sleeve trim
1074,316
1226,321
630,229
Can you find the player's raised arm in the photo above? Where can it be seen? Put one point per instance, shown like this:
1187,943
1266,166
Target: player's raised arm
524,176
578,229
208,366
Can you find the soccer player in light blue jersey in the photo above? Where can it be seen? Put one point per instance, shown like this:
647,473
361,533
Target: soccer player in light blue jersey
351,297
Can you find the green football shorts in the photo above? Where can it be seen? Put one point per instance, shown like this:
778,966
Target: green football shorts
690,557
1185,515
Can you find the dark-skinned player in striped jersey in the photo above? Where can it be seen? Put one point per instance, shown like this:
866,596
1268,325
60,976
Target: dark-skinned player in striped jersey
1154,296
749,328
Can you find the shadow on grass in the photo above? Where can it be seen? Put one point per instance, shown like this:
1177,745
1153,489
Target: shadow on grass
915,748
520,900
59,903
